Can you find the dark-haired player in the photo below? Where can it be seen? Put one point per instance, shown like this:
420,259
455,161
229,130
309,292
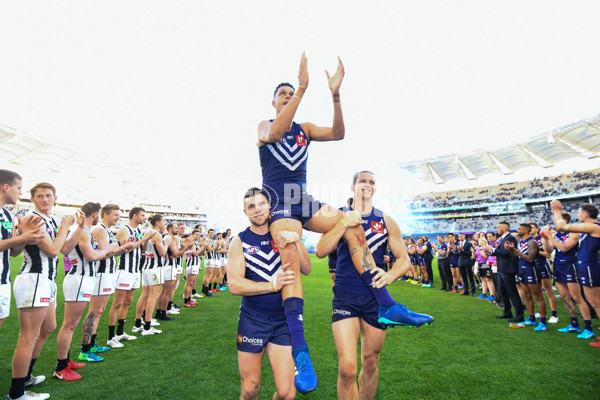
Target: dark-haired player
588,255
283,149
529,276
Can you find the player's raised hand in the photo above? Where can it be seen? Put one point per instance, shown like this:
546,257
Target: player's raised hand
80,218
335,81
303,73
68,220
555,205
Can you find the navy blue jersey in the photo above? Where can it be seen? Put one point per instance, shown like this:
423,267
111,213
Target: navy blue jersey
562,258
284,161
523,248
589,247
540,261
453,254
262,263
376,233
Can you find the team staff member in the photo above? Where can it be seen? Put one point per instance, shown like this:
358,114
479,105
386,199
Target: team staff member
355,310
255,272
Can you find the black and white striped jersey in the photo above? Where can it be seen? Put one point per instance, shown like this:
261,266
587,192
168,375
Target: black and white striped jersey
152,257
34,259
107,266
79,265
6,232
130,262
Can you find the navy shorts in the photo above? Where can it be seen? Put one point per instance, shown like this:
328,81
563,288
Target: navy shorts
529,274
543,270
484,271
354,305
299,206
565,273
589,273
255,331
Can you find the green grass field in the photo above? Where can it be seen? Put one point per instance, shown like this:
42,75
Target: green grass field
465,354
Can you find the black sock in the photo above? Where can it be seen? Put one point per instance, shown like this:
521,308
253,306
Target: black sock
193,291
146,325
225,278
93,342
111,332
17,388
120,326
157,314
31,364
187,299
69,354
61,364
85,347
144,315
138,322
169,305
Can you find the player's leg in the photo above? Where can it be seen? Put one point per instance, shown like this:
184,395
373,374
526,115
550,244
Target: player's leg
250,368
547,285
565,296
390,312
114,311
48,326
153,292
372,340
345,335
592,295
73,312
528,301
282,364
536,291
30,320
99,306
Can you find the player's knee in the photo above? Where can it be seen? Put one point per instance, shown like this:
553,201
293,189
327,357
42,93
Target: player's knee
369,363
347,371
288,393
47,330
250,389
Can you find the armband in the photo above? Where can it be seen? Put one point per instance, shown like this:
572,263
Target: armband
336,97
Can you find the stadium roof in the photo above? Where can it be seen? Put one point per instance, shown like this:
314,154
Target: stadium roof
576,140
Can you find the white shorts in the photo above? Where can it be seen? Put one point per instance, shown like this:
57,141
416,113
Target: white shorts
78,287
223,262
34,290
127,280
4,300
210,263
152,277
169,273
105,284
192,270
179,267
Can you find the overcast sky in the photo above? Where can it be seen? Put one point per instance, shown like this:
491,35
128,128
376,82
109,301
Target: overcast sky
182,85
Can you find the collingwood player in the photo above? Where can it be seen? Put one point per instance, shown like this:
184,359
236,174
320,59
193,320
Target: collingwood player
256,273
10,241
209,264
192,267
77,289
105,282
128,274
35,289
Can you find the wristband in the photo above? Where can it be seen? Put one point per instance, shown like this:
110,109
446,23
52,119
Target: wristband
300,92
336,97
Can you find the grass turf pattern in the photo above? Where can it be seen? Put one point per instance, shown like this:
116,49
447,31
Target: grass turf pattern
465,354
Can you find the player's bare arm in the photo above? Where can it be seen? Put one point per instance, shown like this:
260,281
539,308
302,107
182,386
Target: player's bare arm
269,132
236,272
72,241
52,247
88,251
328,242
